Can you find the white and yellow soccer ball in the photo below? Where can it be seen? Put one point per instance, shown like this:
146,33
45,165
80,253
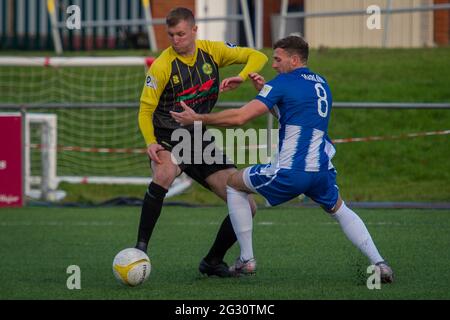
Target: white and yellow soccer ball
131,267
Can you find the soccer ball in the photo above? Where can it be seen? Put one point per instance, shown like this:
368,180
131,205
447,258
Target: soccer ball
131,267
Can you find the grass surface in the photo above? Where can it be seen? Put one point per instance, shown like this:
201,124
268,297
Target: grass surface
302,254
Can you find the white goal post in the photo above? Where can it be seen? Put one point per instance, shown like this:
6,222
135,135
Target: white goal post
80,121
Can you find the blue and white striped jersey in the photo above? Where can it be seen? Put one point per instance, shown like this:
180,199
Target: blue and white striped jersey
302,101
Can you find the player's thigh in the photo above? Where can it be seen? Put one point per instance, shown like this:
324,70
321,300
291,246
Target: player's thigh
164,173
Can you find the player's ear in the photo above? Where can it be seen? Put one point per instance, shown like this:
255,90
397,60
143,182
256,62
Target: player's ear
194,29
296,60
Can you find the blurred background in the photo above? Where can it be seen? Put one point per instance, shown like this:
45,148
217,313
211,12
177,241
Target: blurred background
121,24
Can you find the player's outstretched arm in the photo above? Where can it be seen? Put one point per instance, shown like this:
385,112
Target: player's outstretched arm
226,118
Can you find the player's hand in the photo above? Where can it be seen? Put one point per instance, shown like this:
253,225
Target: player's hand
257,80
230,83
185,117
152,151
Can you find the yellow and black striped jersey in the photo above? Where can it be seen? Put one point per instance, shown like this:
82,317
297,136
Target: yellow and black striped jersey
195,80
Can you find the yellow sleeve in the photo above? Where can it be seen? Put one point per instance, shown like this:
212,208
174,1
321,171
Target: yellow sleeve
225,54
155,82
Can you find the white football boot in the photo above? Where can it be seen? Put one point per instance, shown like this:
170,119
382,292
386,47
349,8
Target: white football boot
386,273
243,267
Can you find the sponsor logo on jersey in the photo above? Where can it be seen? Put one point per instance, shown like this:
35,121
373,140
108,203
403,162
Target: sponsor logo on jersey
199,93
230,45
207,68
265,91
198,90
176,79
150,82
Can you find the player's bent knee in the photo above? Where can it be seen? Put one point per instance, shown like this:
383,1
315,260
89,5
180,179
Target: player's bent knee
164,178
231,181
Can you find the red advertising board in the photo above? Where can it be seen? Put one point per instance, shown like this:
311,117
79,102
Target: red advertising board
10,160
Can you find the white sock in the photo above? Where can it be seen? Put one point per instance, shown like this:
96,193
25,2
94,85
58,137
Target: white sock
357,233
241,219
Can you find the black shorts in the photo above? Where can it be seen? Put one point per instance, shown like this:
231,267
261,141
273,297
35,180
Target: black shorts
197,171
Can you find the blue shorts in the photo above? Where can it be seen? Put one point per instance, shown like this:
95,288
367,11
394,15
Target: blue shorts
281,185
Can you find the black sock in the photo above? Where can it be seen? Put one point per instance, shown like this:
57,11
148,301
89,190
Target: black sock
151,209
224,240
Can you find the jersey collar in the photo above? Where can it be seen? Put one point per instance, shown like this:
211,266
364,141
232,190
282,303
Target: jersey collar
190,60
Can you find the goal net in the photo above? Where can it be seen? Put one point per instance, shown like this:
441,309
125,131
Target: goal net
81,120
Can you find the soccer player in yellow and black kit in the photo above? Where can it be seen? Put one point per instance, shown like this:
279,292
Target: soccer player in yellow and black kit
188,71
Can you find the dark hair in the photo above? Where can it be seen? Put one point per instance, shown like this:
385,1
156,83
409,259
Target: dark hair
178,14
294,45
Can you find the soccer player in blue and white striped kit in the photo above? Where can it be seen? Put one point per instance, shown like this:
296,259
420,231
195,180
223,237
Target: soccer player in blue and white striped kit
302,102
